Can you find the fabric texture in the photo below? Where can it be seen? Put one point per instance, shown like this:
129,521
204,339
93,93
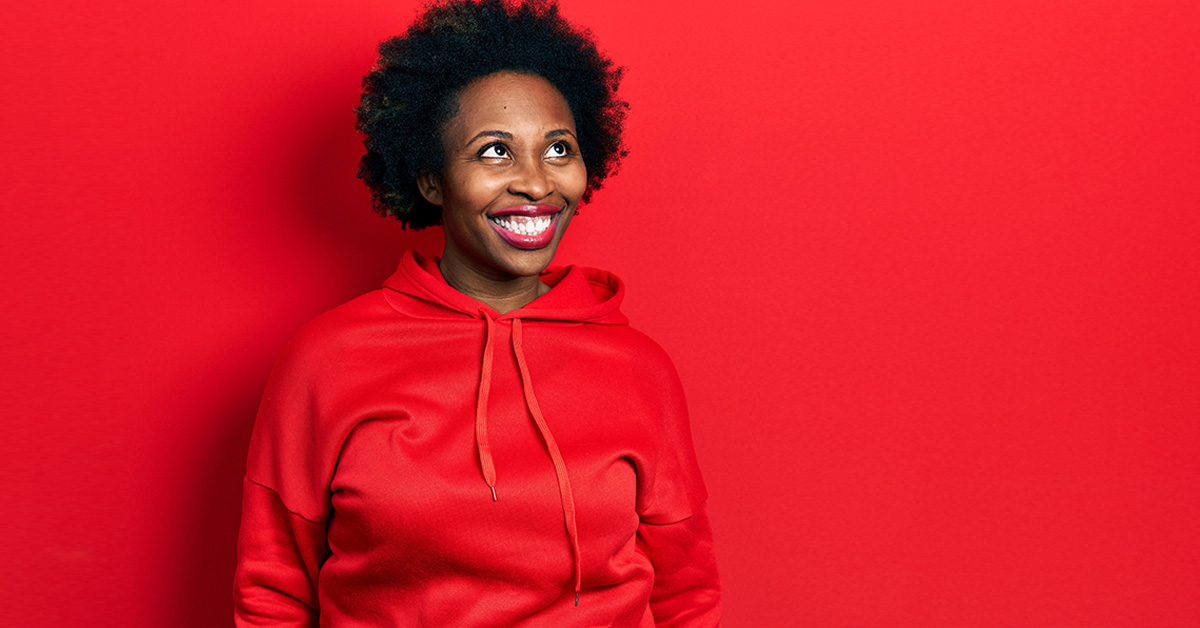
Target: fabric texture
420,459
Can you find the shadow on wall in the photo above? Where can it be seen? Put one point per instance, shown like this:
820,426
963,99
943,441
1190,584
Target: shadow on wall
357,249
206,535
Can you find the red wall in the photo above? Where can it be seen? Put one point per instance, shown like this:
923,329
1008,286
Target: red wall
929,270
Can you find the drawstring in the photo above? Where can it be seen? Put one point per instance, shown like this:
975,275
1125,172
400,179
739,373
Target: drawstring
485,451
485,386
560,467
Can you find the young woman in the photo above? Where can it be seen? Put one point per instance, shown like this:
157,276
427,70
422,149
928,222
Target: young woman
484,441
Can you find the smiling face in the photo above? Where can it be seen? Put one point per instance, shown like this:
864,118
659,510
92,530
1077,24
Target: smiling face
511,181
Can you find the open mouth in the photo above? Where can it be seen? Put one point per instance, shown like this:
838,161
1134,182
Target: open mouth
523,225
526,227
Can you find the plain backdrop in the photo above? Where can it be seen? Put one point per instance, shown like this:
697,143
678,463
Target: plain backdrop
929,269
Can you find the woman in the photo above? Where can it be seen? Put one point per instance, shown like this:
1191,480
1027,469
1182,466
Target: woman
482,442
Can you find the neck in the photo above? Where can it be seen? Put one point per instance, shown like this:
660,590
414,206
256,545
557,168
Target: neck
503,294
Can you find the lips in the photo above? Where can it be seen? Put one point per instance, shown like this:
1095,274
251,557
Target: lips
526,227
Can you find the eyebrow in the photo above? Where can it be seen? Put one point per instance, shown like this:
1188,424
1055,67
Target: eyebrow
505,135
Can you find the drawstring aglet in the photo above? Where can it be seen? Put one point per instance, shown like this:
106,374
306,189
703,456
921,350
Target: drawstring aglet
577,598
493,493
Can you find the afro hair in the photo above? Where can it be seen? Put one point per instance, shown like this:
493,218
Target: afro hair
412,92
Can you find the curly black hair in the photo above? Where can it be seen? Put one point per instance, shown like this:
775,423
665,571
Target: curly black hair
412,92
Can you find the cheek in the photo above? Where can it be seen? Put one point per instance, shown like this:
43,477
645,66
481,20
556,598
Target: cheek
465,190
575,183
466,197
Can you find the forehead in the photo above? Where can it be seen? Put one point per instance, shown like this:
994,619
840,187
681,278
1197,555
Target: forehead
511,102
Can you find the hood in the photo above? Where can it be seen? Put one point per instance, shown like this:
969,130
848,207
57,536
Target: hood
577,295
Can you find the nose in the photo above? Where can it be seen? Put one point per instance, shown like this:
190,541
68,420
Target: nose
531,180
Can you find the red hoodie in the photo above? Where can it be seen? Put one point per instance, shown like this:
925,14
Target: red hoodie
420,459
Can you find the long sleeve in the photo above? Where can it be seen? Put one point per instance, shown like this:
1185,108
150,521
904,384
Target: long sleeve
279,556
686,588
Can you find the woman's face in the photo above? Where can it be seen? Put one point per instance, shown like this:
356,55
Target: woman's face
512,178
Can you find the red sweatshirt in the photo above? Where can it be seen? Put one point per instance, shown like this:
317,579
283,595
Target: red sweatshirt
422,460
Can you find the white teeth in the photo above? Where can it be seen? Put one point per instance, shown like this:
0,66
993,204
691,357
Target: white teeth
524,225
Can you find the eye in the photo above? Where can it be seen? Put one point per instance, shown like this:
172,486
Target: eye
494,151
558,149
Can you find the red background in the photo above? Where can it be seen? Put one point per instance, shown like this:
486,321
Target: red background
929,270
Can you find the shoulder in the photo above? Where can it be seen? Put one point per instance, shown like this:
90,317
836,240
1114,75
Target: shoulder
649,366
648,349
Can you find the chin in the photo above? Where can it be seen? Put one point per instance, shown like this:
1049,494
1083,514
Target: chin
530,263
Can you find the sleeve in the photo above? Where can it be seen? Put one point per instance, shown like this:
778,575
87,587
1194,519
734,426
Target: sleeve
286,500
670,488
687,592
279,556
674,529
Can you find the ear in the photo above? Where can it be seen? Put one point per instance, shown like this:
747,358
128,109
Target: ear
430,185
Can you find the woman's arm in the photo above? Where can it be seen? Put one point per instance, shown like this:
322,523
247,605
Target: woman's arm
285,495
279,556
674,530
686,592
